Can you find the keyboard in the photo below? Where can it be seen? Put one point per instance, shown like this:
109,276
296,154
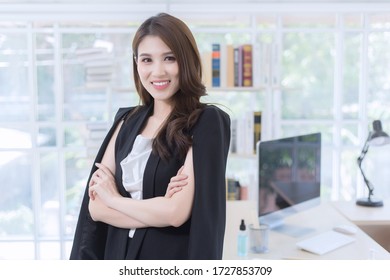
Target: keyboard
325,242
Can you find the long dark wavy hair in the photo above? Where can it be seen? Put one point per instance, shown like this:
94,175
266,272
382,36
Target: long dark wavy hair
174,136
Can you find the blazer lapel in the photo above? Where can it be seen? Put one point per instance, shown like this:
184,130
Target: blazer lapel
125,141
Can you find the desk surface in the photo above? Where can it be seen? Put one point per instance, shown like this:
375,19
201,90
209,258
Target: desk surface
321,218
362,215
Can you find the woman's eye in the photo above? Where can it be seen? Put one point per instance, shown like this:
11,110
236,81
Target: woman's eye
146,60
170,58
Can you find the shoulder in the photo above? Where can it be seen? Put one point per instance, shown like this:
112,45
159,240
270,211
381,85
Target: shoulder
212,112
122,112
212,118
125,113
213,115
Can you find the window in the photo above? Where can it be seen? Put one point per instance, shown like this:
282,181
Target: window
62,82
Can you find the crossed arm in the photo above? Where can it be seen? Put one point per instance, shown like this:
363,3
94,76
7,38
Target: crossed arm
108,206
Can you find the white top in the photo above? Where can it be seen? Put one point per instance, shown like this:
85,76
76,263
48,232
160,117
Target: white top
133,168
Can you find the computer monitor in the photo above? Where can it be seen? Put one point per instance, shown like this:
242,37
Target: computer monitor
289,178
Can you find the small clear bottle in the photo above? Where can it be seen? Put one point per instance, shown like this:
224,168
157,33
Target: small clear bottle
242,242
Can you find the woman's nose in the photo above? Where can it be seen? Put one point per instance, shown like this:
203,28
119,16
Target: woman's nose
158,69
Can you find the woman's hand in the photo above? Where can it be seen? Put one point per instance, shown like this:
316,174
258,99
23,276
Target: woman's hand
176,183
102,184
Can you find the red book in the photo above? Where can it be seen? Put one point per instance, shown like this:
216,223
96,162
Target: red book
247,76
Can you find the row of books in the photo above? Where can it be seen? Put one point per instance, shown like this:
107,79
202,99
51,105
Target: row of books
228,65
245,133
235,191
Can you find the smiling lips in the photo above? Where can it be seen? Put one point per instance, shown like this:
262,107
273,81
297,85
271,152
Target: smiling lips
161,84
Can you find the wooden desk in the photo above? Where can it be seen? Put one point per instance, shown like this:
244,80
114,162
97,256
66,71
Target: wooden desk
375,221
281,246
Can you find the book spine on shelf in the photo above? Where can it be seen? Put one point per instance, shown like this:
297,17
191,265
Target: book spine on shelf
247,64
240,66
207,68
229,66
216,65
257,129
236,59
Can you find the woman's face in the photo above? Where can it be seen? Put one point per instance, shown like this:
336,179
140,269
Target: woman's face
158,68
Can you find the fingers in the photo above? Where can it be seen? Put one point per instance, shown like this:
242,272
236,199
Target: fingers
101,173
170,192
105,169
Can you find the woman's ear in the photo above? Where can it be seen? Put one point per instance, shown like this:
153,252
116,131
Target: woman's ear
135,59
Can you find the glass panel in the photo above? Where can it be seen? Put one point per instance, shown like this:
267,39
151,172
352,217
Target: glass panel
80,102
46,96
308,20
349,173
44,46
68,249
235,103
353,20
14,94
217,20
349,135
94,63
15,250
16,214
376,168
50,206
351,79
15,138
292,129
307,76
266,21
47,137
49,250
378,76
123,99
77,171
75,135
380,21
267,56
13,24
326,171
133,22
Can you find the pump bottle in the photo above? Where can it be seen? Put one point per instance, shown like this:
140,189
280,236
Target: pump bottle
242,242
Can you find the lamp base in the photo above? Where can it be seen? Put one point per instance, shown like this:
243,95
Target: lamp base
370,202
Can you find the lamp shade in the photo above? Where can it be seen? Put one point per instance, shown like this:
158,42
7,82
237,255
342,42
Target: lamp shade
378,136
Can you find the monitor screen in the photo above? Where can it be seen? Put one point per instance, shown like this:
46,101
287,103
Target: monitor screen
289,176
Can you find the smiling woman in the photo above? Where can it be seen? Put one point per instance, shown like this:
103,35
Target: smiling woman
177,210
157,68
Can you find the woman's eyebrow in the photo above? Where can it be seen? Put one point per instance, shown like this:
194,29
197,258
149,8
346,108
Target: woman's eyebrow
163,54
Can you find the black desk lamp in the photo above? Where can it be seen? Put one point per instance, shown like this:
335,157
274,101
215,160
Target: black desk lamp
376,138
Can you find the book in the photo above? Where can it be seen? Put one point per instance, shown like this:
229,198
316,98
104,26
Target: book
207,68
233,138
229,66
257,129
232,189
239,66
247,65
216,65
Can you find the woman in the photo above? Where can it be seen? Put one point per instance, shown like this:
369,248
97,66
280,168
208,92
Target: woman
157,190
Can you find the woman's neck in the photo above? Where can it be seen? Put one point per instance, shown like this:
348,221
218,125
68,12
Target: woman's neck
161,111
156,120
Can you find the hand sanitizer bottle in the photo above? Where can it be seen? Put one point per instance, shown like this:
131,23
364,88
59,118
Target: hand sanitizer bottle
242,242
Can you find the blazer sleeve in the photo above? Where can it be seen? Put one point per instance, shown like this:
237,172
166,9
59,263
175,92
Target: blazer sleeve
90,237
211,140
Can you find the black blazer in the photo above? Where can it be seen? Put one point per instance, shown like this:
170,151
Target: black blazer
201,237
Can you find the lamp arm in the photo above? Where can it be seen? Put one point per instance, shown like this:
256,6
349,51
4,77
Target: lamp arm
360,160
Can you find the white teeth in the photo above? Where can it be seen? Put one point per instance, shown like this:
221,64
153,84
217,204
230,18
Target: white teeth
160,83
